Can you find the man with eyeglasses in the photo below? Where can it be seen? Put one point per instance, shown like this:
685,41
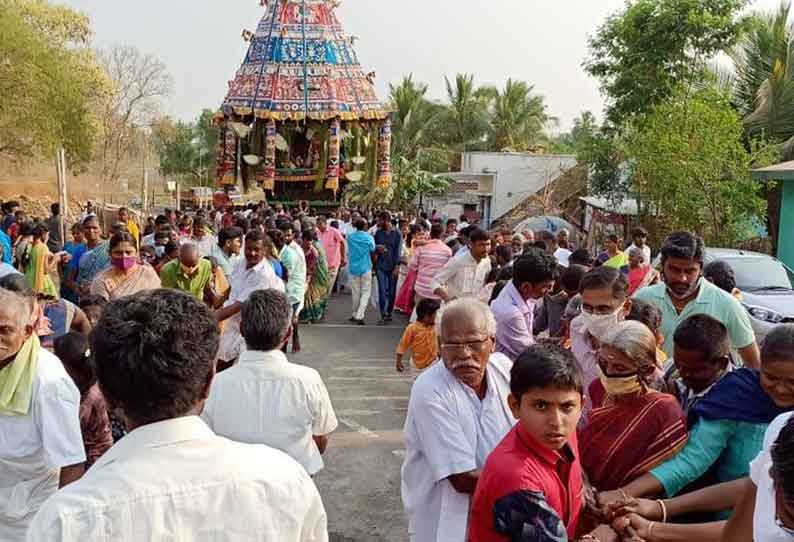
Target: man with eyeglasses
605,303
457,414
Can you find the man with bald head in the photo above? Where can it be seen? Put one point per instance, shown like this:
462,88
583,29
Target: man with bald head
189,273
457,414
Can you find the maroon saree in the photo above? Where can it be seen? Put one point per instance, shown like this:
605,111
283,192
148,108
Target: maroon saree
622,441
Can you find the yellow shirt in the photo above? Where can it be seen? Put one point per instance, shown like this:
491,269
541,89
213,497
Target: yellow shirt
422,342
132,227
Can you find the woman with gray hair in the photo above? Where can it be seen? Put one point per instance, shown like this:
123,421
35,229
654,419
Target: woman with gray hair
636,428
639,272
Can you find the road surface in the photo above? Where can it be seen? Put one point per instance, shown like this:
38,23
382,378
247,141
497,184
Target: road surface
360,484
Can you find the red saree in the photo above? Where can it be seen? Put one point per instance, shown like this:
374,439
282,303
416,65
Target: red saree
623,441
405,297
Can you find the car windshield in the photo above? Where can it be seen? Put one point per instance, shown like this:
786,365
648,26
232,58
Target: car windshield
760,273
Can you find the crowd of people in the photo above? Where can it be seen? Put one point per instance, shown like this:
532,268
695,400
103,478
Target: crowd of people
146,392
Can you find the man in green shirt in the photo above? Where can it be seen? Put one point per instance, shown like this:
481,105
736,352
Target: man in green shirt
189,273
684,293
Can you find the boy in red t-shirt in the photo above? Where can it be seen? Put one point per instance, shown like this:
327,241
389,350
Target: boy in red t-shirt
530,489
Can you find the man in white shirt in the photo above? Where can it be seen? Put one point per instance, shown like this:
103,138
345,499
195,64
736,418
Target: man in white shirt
203,240
265,399
457,415
464,275
171,477
640,238
41,446
252,273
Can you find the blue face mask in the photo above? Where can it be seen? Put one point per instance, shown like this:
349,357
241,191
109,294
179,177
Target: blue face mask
159,251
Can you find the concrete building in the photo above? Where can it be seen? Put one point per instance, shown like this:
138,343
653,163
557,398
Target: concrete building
503,180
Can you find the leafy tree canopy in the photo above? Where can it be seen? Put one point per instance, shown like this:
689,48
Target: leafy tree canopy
692,169
643,53
50,82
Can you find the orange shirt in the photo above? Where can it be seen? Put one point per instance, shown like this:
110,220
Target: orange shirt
421,341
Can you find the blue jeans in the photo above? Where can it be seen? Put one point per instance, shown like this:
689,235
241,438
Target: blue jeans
387,291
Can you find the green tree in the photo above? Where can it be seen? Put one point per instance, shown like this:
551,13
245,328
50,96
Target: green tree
692,170
584,130
652,47
466,118
50,82
413,117
518,118
762,84
179,149
207,136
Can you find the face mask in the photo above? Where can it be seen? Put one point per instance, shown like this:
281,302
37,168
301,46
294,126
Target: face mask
125,262
599,324
159,251
692,289
620,385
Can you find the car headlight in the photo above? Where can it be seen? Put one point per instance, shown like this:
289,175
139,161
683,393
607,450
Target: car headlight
764,314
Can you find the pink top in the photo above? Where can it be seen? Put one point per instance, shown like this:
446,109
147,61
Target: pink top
332,241
427,262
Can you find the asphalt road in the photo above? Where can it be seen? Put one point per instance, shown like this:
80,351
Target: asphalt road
360,484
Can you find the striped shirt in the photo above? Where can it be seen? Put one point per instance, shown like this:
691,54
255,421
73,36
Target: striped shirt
428,261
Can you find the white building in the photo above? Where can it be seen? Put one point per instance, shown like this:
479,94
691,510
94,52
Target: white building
504,179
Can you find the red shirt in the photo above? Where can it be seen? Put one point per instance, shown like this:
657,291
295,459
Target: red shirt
527,491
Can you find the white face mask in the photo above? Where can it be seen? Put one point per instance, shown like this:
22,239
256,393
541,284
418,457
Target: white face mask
599,324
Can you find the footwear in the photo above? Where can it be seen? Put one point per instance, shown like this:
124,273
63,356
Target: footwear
382,322
353,320
387,317
361,322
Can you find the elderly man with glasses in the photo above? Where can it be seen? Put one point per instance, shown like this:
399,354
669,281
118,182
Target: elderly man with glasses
457,415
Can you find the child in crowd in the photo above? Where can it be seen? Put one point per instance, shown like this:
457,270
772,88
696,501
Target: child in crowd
92,306
531,485
420,337
72,350
549,313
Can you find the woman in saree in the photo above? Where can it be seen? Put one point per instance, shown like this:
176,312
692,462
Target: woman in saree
636,428
638,271
318,279
126,275
38,262
417,236
613,256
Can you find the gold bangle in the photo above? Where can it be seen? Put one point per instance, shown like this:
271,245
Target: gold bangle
664,510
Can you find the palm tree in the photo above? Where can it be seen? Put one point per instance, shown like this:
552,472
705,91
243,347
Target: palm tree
413,116
763,77
466,118
518,118
762,84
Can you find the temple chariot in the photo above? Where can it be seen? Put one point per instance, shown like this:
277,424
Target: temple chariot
301,118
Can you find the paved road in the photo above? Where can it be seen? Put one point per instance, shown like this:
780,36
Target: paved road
360,484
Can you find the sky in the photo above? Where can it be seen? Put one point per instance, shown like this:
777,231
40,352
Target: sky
542,42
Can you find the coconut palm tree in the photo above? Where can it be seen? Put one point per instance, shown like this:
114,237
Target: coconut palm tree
762,84
466,118
414,116
763,77
519,118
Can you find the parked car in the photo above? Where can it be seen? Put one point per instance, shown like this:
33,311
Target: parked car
767,286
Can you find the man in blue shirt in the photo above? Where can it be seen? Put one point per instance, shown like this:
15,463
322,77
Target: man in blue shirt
360,247
388,249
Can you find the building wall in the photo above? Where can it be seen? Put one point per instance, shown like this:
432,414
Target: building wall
517,175
450,204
